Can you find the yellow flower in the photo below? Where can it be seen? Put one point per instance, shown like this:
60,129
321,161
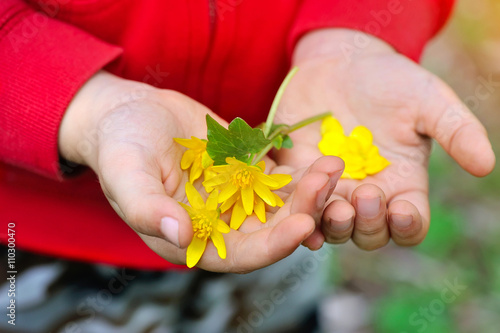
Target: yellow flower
361,157
195,157
246,188
206,224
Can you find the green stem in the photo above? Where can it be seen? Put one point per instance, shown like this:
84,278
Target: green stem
262,153
306,122
285,130
276,101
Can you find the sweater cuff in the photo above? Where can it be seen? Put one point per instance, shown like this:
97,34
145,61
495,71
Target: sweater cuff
43,64
405,24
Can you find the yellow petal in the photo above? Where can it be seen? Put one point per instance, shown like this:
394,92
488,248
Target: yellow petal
216,181
228,190
267,180
195,251
247,199
223,227
264,192
371,152
193,143
211,203
218,241
345,175
233,161
187,159
195,171
238,215
282,179
332,144
279,202
208,174
222,168
189,209
229,202
353,146
376,165
260,209
206,160
261,165
354,174
330,124
353,161
363,136
194,197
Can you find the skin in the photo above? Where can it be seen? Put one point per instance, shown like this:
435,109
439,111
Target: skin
404,106
138,166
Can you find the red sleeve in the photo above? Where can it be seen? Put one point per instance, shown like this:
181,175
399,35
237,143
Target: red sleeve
43,63
407,25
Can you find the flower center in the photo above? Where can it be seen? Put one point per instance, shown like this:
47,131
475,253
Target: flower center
202,226
242,178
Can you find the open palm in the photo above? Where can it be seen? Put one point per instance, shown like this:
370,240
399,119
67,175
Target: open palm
404,106
139,169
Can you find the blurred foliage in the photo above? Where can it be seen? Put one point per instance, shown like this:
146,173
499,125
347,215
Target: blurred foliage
463,243
395,312
405,286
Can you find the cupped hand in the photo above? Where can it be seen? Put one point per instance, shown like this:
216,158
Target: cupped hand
404,106
124,131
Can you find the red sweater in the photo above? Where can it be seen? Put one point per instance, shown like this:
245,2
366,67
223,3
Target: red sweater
230,55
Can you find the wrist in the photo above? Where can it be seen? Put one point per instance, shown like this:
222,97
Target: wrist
82,123
337,43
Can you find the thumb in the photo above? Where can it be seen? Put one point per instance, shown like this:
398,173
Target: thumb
446,119
137,194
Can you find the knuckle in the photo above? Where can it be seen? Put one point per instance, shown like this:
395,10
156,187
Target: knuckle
371,245
414,235
337,240
409,241
135,217
371,229
336,237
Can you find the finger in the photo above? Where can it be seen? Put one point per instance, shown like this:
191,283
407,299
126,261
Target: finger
304,202
303,154
310,192
406,224
370,224
409,216
325,164
135,190
458,131
248,252
332,167
338,221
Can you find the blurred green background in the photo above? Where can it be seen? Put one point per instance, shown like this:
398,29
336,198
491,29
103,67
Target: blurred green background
451,282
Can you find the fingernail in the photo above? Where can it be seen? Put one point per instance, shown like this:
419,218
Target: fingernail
170,229
334,178
340,225
322,196
401,221
368,207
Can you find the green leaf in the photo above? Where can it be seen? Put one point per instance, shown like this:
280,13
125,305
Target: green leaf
239,141
278,127
287,142
278,142
282,141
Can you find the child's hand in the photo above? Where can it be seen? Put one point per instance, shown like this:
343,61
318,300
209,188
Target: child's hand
403,105
124,131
